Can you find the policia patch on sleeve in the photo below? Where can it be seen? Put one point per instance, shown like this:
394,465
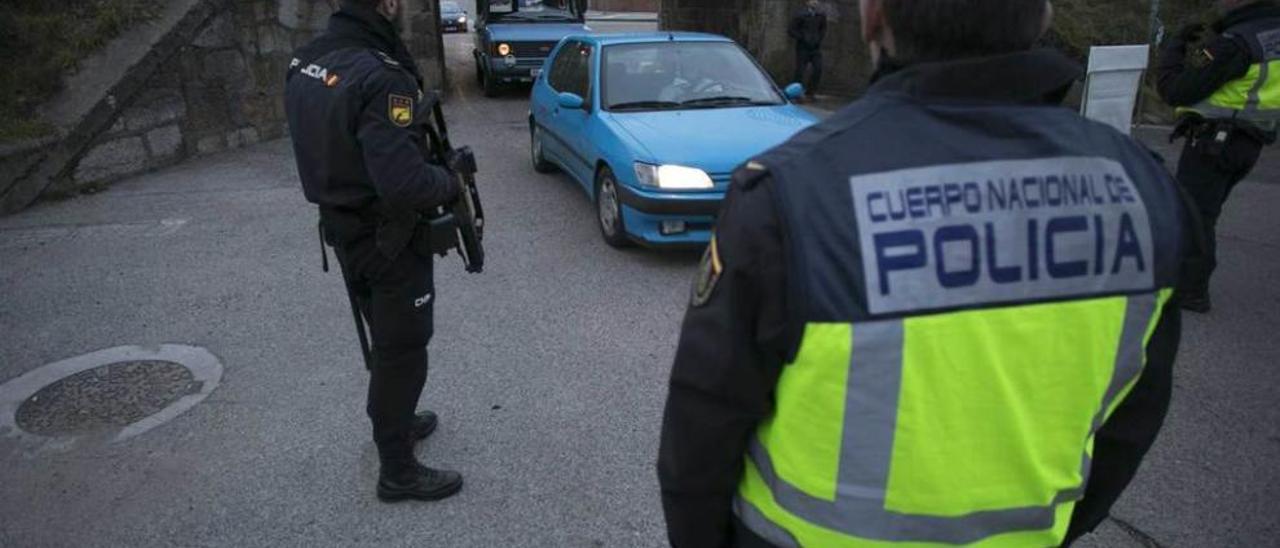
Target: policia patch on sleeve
400,110
708,275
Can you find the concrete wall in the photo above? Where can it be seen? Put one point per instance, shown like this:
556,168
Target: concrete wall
220,90
761,27
214,81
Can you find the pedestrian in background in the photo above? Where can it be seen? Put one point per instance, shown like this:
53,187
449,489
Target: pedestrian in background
808,28
1227,95
937,318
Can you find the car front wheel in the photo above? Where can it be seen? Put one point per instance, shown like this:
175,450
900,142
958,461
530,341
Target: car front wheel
609,210
540,163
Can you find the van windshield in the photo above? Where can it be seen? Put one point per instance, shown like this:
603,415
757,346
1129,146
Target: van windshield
533,10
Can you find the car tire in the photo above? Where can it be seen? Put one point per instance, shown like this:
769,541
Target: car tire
609,211
540,163
479,74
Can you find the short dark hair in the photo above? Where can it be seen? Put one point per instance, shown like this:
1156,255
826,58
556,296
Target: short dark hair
940,30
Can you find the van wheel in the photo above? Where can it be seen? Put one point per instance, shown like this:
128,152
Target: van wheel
490,87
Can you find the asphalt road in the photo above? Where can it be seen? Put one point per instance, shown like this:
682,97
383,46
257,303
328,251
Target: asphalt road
548,370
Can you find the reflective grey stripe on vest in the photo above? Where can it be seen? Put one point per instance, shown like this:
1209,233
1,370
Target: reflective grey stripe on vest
760,525
871,405
1264,47
1265,44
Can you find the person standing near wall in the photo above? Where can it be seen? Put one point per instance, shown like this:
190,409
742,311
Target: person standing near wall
808,28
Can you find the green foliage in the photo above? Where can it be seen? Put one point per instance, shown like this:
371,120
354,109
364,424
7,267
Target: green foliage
1079,24
41,40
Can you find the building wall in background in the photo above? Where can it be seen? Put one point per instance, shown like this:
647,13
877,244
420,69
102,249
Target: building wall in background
225,88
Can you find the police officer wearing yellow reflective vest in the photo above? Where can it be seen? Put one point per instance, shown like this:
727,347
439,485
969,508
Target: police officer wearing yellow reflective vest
351,99
1228,98
940,317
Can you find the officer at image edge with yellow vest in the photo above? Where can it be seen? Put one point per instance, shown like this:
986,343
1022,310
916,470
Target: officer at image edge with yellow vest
1227,95
940,317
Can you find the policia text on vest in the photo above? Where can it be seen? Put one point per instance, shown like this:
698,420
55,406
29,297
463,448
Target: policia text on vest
946,239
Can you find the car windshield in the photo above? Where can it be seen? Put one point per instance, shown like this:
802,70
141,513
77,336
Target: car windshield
683,75
450,7
532,10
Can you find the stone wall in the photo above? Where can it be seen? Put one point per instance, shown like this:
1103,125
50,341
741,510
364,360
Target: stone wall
761,27
220,90
216,86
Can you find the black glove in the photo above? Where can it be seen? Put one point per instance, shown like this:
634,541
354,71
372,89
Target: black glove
1192,32
460,160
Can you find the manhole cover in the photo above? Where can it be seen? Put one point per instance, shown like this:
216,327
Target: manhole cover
110,396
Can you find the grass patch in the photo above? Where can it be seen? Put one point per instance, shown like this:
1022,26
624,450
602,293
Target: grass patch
41,40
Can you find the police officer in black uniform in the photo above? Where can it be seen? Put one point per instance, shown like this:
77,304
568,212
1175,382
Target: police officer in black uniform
1228,99
350,99
964,86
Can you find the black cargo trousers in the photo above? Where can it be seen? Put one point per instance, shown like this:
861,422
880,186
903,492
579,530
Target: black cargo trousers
396,297
1209,171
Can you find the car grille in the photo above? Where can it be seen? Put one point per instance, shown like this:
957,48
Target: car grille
721,179
539,50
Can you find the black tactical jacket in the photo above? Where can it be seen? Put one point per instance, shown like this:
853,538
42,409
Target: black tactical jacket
350,99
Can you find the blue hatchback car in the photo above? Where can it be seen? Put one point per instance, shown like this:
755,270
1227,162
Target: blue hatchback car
652,125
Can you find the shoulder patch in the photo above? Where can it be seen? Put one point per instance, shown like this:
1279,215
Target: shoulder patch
387,59
709,272
400,109
750,174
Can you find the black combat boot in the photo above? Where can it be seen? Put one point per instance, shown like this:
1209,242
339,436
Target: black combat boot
424,424
402,477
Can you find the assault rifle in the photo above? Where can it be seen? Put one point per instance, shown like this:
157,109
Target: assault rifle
459,225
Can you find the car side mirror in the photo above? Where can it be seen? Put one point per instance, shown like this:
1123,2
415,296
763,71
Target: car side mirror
794,91
571,101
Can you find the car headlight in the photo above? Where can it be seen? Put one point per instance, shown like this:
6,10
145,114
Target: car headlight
671,177
504,49
462,19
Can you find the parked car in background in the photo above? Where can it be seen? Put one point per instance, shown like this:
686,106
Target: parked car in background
513,38
452,17
652,125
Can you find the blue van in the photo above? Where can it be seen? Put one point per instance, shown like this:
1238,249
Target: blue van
514,38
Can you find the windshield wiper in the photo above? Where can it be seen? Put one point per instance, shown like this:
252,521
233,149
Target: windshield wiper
724,100
644,105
